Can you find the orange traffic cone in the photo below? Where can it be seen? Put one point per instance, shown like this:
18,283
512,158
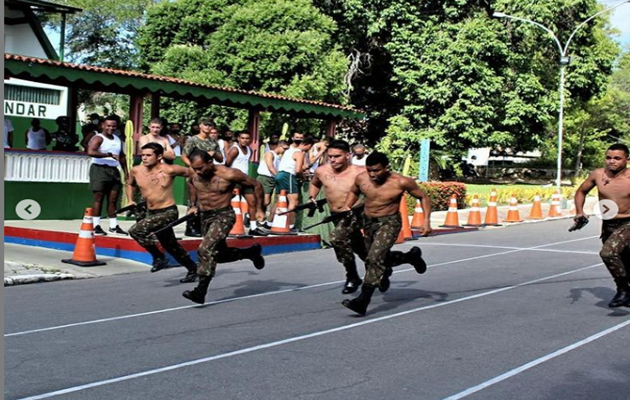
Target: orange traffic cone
554,210
404,213
418,216
536,212
85,251
452,218
513,215
474,217
239,228
492,214
280,224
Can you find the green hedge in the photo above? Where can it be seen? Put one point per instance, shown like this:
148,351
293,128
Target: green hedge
440,194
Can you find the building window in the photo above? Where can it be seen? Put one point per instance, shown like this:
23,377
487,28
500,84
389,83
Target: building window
32,95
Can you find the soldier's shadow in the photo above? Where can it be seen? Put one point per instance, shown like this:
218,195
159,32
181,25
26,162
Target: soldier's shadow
399,294
604,294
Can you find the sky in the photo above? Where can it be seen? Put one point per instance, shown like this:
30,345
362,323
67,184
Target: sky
620,19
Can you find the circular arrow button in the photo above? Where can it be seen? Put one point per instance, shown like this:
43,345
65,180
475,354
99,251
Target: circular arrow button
28,209
606,209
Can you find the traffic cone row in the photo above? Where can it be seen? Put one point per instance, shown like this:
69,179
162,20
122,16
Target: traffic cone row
85,250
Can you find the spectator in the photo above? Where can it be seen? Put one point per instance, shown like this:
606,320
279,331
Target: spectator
203,142
291,170
92,128
175,139
359,156
36,137
238,158
8,133
64,139
107,152
317,154
271,145
268,169
214,135
155,127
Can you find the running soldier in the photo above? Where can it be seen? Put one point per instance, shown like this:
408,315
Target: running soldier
382,191
212,192
155,180
337,178
613,183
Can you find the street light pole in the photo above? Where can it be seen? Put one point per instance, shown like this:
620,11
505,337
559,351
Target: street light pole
564,61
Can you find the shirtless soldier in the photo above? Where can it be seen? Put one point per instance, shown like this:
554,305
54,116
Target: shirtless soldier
212,192
155,180
382,190
613,183
337,178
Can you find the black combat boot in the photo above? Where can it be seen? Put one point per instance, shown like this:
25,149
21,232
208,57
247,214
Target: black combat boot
359,305
353,282
622,297
414,257
191,275
254,253
384,286
198,294
159,263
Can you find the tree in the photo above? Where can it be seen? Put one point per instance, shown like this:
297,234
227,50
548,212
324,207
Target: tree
278,46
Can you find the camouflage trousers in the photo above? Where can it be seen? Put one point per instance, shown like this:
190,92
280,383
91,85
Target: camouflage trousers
380,235
215,227
347,240
616,250
154,220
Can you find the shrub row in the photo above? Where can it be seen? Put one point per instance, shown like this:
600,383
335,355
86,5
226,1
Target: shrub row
440,194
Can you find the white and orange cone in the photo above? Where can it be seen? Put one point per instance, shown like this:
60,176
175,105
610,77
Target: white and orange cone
474,216
492,213
280,224
452,218
85,249
513,215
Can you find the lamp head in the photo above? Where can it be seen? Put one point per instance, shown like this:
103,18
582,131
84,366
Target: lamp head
497,14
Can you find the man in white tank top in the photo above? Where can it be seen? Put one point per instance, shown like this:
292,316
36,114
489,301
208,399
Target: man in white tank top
291,169
107,152
36,137
238,158
268,169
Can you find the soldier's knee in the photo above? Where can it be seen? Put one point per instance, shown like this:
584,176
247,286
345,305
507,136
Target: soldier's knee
608,254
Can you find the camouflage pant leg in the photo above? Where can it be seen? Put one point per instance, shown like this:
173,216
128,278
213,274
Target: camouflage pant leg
616,250
380,236
153,221
347,240
213,248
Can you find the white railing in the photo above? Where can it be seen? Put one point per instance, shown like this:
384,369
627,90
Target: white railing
46,167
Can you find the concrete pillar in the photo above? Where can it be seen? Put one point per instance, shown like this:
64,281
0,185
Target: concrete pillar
135,115
71,111
252,127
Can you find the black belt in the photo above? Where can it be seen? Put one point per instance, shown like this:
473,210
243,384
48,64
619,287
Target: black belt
383,218
215,211
106,166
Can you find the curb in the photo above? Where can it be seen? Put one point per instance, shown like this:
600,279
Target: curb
35,278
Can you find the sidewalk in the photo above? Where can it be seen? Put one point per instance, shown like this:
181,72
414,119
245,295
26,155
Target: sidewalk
38,264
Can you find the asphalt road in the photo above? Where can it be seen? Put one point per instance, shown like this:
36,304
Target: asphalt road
518,313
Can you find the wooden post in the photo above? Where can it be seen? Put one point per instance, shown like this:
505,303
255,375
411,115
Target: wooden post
155,105
135,115
252,127
71,111
331,128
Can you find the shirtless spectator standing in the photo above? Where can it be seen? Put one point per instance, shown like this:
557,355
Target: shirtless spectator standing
155,127
337,178
613,183
106,150
155,180
382,191
291,170
213,186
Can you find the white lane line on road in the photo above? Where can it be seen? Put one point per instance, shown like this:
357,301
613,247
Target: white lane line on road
123,317
485,246
293,339
536,362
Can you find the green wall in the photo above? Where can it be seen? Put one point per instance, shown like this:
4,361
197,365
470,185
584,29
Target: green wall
57,200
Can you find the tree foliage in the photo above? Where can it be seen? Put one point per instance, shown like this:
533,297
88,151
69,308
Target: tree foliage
279,46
